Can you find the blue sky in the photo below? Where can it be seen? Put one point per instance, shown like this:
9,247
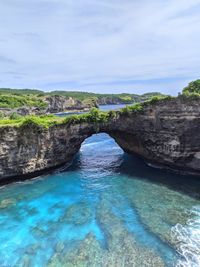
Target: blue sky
100,45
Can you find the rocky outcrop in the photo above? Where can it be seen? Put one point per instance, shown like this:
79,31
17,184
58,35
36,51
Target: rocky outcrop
60,104
23,111
108,100
55,104
165,134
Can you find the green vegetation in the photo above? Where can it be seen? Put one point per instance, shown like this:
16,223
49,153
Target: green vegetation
36,98
139,107
8,91
90,102
192,91
14,116
130,109
123,98
148,96
192,88
94,116
158,98
39,121
16,101
1,115
15,98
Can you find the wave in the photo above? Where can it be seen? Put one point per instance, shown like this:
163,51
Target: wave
187,238
95,143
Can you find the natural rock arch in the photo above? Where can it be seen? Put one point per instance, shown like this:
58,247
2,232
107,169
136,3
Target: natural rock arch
165,133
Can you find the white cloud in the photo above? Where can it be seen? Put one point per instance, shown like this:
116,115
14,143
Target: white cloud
100,45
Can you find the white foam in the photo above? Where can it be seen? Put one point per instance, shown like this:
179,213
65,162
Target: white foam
188,240
95,143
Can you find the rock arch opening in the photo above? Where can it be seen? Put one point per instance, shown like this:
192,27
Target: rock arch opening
162,133
98,154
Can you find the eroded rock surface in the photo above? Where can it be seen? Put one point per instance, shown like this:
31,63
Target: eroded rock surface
54,104
165,133
61,104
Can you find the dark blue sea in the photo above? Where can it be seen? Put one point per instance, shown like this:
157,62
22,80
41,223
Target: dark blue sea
108,209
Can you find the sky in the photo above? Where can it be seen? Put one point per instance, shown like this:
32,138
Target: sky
110,46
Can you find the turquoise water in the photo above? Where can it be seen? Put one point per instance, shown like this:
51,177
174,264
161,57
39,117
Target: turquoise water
101,107
107,209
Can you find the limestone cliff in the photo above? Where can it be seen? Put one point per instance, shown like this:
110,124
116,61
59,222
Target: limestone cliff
165,133
109,100
60,104
54,104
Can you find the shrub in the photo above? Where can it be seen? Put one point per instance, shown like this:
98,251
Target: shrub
1,115
16,101
43,121
94,116
130,109
90,102
189,96
14,116
112,114
193,87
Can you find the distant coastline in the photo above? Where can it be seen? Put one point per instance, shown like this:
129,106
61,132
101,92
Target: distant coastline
24,102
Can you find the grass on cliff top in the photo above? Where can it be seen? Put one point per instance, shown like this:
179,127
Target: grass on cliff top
44,121
123,97
94,116
138,107
16,101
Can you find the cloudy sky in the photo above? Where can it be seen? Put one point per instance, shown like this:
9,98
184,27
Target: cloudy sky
100,45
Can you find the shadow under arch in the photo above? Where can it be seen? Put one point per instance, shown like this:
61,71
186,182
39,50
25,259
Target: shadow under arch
137,168
92,156
98,150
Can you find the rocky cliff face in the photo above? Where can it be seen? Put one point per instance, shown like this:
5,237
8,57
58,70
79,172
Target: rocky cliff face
165,134
23,111
109,101
55,104
60,103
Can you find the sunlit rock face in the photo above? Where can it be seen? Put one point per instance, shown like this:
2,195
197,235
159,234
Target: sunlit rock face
61,104
108,100
165,134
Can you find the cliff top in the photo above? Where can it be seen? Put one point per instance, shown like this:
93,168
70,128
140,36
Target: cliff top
94,115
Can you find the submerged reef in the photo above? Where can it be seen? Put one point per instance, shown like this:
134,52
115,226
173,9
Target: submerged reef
120,249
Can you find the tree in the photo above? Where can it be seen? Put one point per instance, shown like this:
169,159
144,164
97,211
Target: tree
193,87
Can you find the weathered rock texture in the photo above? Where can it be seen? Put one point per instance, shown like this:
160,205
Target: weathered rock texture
61,104
109,100
55,104
23,111
166,134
